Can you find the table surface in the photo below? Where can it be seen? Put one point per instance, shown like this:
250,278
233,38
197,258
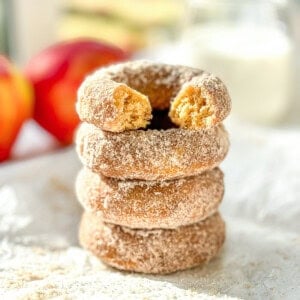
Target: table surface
39,216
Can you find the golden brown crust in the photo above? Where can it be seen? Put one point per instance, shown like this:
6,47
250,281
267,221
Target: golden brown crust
151,204
154,251
156,84
151,154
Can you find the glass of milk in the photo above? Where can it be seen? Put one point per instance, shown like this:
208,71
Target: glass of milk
246,44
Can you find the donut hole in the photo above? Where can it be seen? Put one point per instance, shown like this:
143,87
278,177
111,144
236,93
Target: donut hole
161,120
134,108
190,109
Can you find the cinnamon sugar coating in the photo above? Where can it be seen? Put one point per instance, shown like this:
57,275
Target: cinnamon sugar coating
199,99
151,204
151,154
156,251
112,106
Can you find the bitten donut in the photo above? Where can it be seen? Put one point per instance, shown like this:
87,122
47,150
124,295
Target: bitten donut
151,154
151,204
156,251
121,97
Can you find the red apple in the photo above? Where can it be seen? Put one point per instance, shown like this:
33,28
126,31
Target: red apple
16,102
56,74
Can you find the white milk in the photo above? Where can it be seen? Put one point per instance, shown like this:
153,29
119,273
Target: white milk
254,62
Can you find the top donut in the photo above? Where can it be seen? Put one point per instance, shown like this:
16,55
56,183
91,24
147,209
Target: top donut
121,97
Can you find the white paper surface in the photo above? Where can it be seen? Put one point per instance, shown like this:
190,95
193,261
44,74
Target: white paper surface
40,257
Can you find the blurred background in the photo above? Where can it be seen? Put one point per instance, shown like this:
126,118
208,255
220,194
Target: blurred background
47,47
254,46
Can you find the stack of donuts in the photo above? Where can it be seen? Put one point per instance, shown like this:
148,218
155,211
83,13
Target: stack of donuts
151,140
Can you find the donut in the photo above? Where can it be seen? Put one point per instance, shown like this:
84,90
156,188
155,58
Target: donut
151,204
156,251
122,97
151,154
